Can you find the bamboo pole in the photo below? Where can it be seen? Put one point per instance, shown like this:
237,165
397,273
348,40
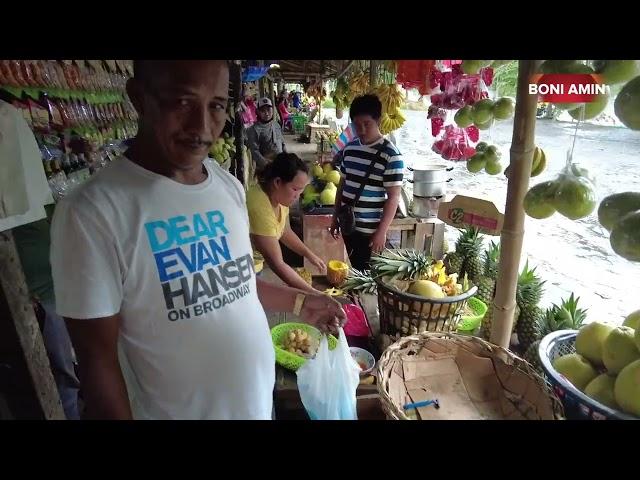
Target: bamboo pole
373,73
261,82
13,287
522,147
238,128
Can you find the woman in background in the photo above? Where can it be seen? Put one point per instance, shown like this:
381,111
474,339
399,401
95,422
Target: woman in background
280,185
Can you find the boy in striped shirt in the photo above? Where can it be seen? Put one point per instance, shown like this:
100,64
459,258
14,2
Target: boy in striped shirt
378,202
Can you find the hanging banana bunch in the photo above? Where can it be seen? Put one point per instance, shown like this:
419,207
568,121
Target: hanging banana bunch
358,85
340,95
391,98
391,121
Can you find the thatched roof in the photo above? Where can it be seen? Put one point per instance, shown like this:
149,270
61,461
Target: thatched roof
304,70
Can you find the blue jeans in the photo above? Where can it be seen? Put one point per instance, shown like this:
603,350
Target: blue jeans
60,353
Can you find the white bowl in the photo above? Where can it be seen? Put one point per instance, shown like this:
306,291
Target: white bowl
363,358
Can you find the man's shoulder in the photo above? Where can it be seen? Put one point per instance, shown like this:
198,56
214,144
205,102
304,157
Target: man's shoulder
226,178
389,148
104,190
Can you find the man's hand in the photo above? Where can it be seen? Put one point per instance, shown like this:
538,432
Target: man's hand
378,240
317,262
335,228
323,312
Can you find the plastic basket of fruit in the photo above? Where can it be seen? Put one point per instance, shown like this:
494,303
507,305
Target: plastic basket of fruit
472,315
404,313
299,123
448,376
302,338
577,404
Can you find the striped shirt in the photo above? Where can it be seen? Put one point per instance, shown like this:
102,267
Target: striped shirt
387,172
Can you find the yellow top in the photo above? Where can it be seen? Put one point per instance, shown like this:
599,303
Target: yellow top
263,219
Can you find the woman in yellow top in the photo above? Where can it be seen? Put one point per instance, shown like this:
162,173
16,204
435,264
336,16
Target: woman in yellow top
280,184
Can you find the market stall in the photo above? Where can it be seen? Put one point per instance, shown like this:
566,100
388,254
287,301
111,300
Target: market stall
419,313
506,303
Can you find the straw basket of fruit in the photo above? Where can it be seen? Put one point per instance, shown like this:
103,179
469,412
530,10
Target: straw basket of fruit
415,294
446,376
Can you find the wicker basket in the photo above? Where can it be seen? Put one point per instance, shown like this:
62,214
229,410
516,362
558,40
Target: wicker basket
577,405
490,383
406,314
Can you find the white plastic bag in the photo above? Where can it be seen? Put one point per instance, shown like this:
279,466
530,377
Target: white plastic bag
328,382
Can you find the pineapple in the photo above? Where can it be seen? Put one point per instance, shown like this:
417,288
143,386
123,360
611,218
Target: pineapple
528,294
487,321
527,326
487,282
567,315
531,356
469,245
406,264
530,288
358,281
466,257
491,260
453,262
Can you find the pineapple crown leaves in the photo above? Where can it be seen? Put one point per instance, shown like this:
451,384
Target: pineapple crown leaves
469,242
408,264
565,316
491,259
569,315
359,281
530,288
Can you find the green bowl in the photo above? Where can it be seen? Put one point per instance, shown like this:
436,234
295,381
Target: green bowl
468,323
288,360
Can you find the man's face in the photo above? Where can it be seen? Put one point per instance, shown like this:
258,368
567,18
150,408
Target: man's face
265,113
367,128
183,108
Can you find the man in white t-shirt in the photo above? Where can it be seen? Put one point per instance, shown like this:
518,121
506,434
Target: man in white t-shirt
153,269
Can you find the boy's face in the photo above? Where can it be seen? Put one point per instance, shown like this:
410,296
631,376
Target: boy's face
367,128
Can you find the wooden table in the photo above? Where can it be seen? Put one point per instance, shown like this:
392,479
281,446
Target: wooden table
313,128
316,236
418,233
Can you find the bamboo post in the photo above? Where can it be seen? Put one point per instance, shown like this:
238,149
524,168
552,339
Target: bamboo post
238,128
13,287
522,146
261,82
373,74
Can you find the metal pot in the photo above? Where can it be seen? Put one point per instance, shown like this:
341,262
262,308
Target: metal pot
425,207
430,189
430,173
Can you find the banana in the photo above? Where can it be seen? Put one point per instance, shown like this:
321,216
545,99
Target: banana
540,162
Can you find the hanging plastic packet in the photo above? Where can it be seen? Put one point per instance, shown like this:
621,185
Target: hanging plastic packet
328,382
572,194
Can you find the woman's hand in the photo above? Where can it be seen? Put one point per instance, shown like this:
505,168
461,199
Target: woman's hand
317,262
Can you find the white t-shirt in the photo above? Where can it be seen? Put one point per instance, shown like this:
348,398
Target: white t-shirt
23,185
176,261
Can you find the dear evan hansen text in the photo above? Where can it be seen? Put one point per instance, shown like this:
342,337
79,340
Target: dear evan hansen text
195,265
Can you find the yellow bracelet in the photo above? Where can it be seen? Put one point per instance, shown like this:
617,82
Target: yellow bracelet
297,308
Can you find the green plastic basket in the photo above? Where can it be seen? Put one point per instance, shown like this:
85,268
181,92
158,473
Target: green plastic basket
468,323
299,123
289,360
